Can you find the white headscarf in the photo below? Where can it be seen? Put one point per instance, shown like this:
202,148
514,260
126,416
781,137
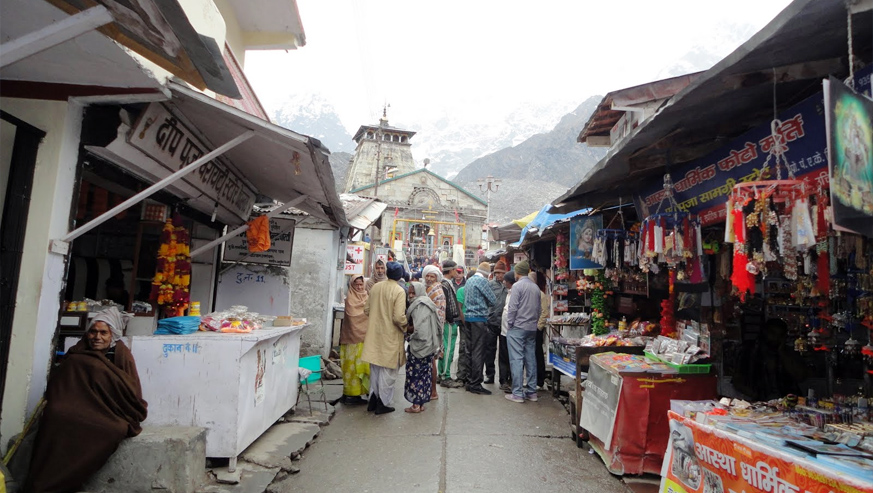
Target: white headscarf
431,269
115,319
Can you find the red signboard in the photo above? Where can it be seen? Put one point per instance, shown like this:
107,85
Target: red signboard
702,459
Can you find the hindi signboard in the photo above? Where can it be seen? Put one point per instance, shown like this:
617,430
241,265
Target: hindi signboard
703,459
236,249
602,390
702,186
161,136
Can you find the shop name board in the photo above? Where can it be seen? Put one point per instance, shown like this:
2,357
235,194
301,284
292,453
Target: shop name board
701,459
702,186
164,138
236,249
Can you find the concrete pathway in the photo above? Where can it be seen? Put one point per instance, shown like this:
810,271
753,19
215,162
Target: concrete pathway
462,442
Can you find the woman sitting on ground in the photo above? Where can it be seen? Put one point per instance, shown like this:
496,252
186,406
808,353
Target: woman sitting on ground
93,402
424,344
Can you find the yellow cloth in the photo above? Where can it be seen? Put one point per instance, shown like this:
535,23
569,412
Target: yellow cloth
386,309
356,373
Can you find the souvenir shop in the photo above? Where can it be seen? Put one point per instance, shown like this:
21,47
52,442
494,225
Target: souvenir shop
162,216
737,303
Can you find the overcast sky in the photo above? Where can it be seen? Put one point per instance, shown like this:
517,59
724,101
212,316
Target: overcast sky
475,58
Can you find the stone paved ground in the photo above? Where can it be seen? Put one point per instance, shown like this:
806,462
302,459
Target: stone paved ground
462,442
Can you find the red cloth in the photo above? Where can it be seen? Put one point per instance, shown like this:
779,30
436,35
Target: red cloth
740,277
92,404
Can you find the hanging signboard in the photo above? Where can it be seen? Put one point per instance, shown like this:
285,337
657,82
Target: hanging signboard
165,139
236,249
850,146
354,260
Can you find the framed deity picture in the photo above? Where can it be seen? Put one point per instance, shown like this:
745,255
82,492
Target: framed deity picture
582,230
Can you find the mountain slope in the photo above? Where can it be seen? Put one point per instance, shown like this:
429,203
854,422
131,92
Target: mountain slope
537,170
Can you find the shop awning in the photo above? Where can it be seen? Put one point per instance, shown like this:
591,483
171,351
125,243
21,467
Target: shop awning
280,163
803,44
58,42
543,221
362,212
221,160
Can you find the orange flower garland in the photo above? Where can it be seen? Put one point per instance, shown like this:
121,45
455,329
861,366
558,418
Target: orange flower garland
170,286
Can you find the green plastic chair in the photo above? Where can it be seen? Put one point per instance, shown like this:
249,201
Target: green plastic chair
309,372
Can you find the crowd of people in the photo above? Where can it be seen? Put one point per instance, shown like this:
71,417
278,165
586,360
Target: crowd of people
447,328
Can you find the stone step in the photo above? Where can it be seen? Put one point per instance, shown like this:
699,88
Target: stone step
170,458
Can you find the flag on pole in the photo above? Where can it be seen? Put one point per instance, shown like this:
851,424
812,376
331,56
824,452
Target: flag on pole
396,211
457,218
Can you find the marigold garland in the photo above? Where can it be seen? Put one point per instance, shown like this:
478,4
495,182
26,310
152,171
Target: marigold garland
170,286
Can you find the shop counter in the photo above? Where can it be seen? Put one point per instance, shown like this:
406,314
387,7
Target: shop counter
234,385
704,459
624,409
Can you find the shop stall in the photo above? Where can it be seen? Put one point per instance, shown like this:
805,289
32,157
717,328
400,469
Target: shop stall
236,385
762,453
625,404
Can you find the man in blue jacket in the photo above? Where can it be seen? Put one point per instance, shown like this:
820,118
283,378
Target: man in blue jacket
478,299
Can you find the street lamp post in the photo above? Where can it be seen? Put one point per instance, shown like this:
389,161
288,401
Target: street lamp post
488,184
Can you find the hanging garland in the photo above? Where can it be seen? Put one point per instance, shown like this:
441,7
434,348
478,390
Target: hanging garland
599,307
170,286
562,254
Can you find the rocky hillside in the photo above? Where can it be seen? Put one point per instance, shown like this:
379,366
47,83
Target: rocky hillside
538,170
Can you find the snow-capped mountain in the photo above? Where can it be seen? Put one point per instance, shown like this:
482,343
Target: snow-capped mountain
452,143
710,50
315,116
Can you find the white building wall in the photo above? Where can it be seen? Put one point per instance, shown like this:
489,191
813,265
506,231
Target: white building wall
314,284
42,273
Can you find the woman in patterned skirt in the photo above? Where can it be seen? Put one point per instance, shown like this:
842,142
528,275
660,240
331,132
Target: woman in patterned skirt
424,342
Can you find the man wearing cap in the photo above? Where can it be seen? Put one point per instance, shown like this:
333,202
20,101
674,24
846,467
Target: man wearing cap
450,331
478,299
494,316
522,314
383,344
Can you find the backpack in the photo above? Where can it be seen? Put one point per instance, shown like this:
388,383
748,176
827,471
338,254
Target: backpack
452,313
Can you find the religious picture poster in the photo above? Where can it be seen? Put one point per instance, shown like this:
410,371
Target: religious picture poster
582,230
561,290
354,260
849,120
561,305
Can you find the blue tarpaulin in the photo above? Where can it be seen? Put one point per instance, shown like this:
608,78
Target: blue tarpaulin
543,220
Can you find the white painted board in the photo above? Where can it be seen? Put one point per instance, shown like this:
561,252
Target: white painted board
263,289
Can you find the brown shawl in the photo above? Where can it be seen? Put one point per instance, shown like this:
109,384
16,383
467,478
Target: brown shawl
354,326
92,404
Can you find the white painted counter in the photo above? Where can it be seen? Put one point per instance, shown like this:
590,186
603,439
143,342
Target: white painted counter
234,385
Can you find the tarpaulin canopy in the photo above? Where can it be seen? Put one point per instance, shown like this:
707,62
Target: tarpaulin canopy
543,221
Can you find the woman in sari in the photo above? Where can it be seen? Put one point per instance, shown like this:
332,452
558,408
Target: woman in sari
433,278
356,373
379,274
424,344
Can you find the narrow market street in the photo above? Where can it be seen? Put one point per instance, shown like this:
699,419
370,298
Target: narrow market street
462,442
